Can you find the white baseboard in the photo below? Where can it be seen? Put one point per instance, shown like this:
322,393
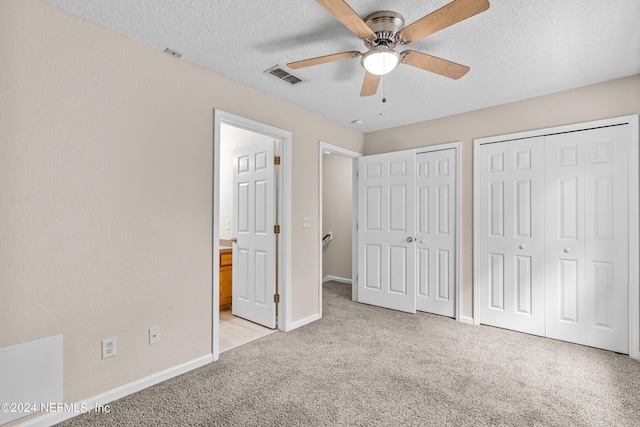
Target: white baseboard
467,320
330,278
103,399
302,322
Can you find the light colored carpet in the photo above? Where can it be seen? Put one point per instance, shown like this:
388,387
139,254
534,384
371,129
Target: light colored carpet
367,366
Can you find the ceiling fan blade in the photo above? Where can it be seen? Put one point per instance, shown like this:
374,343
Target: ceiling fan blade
370,84
323,59
454,12
434,64
343,12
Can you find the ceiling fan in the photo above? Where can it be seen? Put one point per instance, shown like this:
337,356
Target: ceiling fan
382,31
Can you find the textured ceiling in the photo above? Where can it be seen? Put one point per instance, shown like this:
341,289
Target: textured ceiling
517,49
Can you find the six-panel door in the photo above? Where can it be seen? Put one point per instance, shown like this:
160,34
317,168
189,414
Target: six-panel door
254,260
386,231
436,232
587,238
553,249
511,261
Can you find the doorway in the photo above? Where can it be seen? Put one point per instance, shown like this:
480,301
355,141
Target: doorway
337,199
240,321
237,151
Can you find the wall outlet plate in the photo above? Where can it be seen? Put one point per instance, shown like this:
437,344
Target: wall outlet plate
108,347
154,335
306,221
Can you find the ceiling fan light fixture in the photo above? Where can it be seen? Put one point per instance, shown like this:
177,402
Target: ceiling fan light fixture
380,60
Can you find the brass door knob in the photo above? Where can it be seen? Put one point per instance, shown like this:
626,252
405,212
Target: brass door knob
409,239
234,240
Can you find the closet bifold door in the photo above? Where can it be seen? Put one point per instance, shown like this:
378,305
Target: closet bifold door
511,247
587,283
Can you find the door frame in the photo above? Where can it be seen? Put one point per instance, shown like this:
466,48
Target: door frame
334,149
634,212
283,184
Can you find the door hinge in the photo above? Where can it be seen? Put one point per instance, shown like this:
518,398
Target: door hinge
276,160
276,298
276,229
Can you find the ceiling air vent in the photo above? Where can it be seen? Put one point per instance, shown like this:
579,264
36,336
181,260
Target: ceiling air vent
278,72
173,52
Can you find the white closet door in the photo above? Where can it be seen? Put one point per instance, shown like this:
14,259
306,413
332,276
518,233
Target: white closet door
436,200
587,238
511,260
386,231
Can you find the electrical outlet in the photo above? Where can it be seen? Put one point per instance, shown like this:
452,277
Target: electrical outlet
154,335
109,347
306,221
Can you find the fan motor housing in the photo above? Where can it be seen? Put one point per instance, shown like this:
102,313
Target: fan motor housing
385,24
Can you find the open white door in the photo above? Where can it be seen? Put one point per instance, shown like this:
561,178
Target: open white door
386,230
254,217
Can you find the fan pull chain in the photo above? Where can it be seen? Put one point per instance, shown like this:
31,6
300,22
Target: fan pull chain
384,97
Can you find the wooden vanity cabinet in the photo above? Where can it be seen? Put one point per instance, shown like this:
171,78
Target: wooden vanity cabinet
225,280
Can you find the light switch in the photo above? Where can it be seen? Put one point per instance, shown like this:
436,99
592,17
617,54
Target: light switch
306,221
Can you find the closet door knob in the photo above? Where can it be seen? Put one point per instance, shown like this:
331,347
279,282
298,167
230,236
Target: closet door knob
567,250
521,246
409,239
234,240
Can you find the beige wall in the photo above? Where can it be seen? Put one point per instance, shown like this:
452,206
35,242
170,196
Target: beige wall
106,194
337,181
611,99
106,188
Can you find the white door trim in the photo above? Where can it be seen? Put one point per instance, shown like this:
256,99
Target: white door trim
284,218
334,149
634,211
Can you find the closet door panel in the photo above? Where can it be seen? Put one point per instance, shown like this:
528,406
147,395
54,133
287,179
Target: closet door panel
564,231
587,238
511,287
